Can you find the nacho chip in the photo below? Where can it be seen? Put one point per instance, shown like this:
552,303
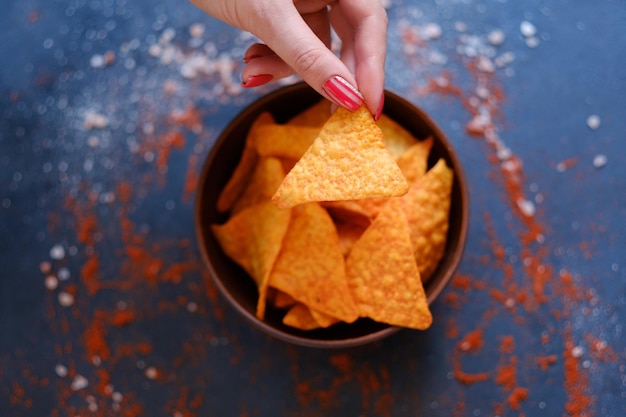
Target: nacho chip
323,320
252,238
310,266
414,161
386,284
349,211
314,116
244,168
427,208
280,299
347,161
397,139
349,234
267,176
299,316
284,141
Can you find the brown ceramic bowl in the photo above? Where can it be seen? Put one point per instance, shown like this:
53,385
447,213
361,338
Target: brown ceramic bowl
239,289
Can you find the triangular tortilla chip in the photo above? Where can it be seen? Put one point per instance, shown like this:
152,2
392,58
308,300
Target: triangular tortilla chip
427,207
253,239
414,161
347,161
299,316
310,266
314,116
285,141
397,138
386,284
267,176
323,320
244,168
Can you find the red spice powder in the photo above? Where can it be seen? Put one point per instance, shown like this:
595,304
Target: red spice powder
517,396
579,401
473,341
545,362
467,378
94,337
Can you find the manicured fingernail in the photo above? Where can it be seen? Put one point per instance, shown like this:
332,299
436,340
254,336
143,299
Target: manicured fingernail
343,93
249,58
257,80
381,104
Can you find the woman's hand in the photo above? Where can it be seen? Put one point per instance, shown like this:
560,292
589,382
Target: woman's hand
296,36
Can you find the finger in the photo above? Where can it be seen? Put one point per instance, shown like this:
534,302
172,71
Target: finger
256,50
263,69
368,21
300,47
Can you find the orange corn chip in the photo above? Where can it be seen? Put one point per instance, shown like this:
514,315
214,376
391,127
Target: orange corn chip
300,317
349,211
244,168
427,208
414,161
281,299
397,138
314,116
284,141
349,234
386,284
267,176
310,266
253,238
348,160
323,320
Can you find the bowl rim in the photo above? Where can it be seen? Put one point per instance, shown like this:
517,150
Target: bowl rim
434,292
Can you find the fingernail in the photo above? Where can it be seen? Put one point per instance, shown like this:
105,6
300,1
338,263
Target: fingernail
249,58
381,104
257,80
343,93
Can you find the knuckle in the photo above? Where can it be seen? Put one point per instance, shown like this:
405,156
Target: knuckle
306,60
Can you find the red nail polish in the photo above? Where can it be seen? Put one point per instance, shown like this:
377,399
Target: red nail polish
343,93
381,104
249,58
257,80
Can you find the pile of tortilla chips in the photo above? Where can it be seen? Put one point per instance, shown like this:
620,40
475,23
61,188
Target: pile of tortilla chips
337,217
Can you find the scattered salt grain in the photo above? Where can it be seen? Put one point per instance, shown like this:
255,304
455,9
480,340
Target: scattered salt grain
527,29
117,397
431,31
192,307
61,370
66,299
79,382
97,61
45,267
577,351
196,30
484,64
593,121
527,207
57,252
599,161
151,372
63,274
94,120
51,282
496,37
532,42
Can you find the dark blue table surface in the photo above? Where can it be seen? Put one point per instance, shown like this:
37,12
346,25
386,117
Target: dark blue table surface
107,110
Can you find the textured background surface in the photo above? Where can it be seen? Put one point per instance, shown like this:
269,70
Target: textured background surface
107,110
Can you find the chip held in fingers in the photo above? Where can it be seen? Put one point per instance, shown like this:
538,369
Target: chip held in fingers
348,160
